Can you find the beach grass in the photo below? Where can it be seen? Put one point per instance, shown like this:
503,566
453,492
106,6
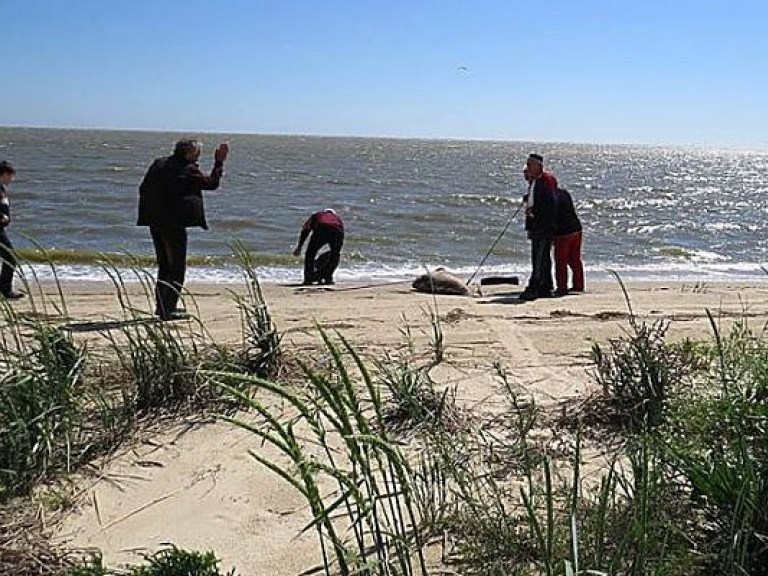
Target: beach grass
366,523
64,403
61,403
389,466
168,561
40,387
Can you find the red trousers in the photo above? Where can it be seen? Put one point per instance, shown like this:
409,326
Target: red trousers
568,254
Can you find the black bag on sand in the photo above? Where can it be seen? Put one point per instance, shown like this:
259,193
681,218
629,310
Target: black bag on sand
494,280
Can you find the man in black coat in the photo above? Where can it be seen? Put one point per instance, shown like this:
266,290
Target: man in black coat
540,225
170,201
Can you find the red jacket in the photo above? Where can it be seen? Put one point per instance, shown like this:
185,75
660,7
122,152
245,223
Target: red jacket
324,218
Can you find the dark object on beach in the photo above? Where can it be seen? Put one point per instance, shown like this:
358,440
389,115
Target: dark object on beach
494,280
440,282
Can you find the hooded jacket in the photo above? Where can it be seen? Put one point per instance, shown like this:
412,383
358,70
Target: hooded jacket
566,219
327,217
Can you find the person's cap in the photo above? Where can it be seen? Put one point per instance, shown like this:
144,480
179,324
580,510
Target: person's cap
537,157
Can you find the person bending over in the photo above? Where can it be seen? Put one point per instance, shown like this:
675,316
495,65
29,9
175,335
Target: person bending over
325,227
170,201
567,244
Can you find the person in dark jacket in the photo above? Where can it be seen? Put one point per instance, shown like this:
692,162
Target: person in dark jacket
170,201
326,227
9,263
567,244
540,225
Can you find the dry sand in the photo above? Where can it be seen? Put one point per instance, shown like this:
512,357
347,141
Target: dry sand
199,489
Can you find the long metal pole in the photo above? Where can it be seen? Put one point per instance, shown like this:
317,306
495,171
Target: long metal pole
494,244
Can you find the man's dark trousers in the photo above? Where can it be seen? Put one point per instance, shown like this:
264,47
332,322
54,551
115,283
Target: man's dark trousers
321,236
540,282
171,252
8,263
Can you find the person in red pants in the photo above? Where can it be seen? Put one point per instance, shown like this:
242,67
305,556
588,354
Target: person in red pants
567,243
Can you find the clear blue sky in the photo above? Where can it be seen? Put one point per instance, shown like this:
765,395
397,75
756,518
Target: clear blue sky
645,71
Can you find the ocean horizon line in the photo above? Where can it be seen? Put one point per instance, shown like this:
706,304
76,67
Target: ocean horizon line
757,147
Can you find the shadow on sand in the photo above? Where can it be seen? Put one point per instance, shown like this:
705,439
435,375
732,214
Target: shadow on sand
107,325
506,298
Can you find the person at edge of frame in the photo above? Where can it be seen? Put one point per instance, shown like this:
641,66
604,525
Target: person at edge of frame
7,256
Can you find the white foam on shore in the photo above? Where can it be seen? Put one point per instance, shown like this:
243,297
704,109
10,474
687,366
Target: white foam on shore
674,270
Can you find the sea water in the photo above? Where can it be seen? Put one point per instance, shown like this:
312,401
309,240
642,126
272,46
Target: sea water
408,205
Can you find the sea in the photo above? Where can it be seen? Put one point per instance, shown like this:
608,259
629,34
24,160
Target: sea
409,205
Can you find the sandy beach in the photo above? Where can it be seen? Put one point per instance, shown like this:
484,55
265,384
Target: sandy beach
199,489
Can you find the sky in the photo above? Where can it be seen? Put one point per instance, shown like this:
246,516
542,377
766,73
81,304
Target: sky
647,72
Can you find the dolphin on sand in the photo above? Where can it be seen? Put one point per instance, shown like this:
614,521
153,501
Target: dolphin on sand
440,281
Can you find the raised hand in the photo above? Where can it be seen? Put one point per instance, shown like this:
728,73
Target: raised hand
221,152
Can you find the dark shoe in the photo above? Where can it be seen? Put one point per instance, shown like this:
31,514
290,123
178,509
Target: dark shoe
561,293
177,309
328,282
12,295
577,291
527,296
175,315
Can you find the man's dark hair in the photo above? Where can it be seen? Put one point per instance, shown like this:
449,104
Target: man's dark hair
538,157
186,145
7,168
